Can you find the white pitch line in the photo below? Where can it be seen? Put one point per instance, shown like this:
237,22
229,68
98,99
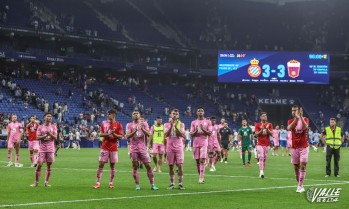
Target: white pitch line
192,174
158,195
218,175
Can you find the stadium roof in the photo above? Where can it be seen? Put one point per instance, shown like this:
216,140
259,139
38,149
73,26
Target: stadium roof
282,2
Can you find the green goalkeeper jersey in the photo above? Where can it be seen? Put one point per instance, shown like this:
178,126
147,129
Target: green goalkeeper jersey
245,133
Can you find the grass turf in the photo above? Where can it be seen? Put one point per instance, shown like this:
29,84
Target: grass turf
231,186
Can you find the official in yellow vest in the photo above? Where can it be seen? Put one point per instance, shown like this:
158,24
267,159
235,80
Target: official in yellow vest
158,139
332,137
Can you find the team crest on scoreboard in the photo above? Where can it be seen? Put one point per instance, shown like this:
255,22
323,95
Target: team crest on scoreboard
254,70
293,68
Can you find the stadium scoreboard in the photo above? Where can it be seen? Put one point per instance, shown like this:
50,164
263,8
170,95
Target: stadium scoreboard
273,67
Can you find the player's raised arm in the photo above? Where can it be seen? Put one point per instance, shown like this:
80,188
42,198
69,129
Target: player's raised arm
258,130
193,129
180,132
118,133
53,135
304,122
206,132
269,128
169,129
145,130
39,135
130,134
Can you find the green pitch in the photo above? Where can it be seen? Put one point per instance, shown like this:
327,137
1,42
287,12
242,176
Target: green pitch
231,186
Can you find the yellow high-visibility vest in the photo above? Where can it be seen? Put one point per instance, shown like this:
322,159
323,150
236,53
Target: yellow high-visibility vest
334,141
158,136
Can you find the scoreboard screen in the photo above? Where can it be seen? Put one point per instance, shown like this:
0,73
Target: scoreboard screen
273,67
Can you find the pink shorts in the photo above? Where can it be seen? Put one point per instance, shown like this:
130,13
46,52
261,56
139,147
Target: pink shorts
276,143
12,144
300,155
46,157
263,152
200,152
33,145
140,156
289,143
215,147
106,155
175,157
158,149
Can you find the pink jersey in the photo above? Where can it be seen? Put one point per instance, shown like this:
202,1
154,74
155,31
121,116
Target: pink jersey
276,135
138,141
214,136
174,143
200,139
47,144
14,129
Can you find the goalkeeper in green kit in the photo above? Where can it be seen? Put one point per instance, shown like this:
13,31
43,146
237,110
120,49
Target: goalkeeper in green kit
245,136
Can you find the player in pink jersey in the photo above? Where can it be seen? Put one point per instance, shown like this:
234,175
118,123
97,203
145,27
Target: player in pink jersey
46,134
14,136
137,132
111,131
175,135
33,143
299,126
289,143
276,139
214,148
200,130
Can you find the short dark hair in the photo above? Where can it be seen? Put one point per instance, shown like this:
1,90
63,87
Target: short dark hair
112,111
174,110
199,107
333,119
136,111
47,113
159,117
262,113
213,118
295,106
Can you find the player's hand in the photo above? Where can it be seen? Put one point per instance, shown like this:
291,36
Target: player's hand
301,112
297,113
